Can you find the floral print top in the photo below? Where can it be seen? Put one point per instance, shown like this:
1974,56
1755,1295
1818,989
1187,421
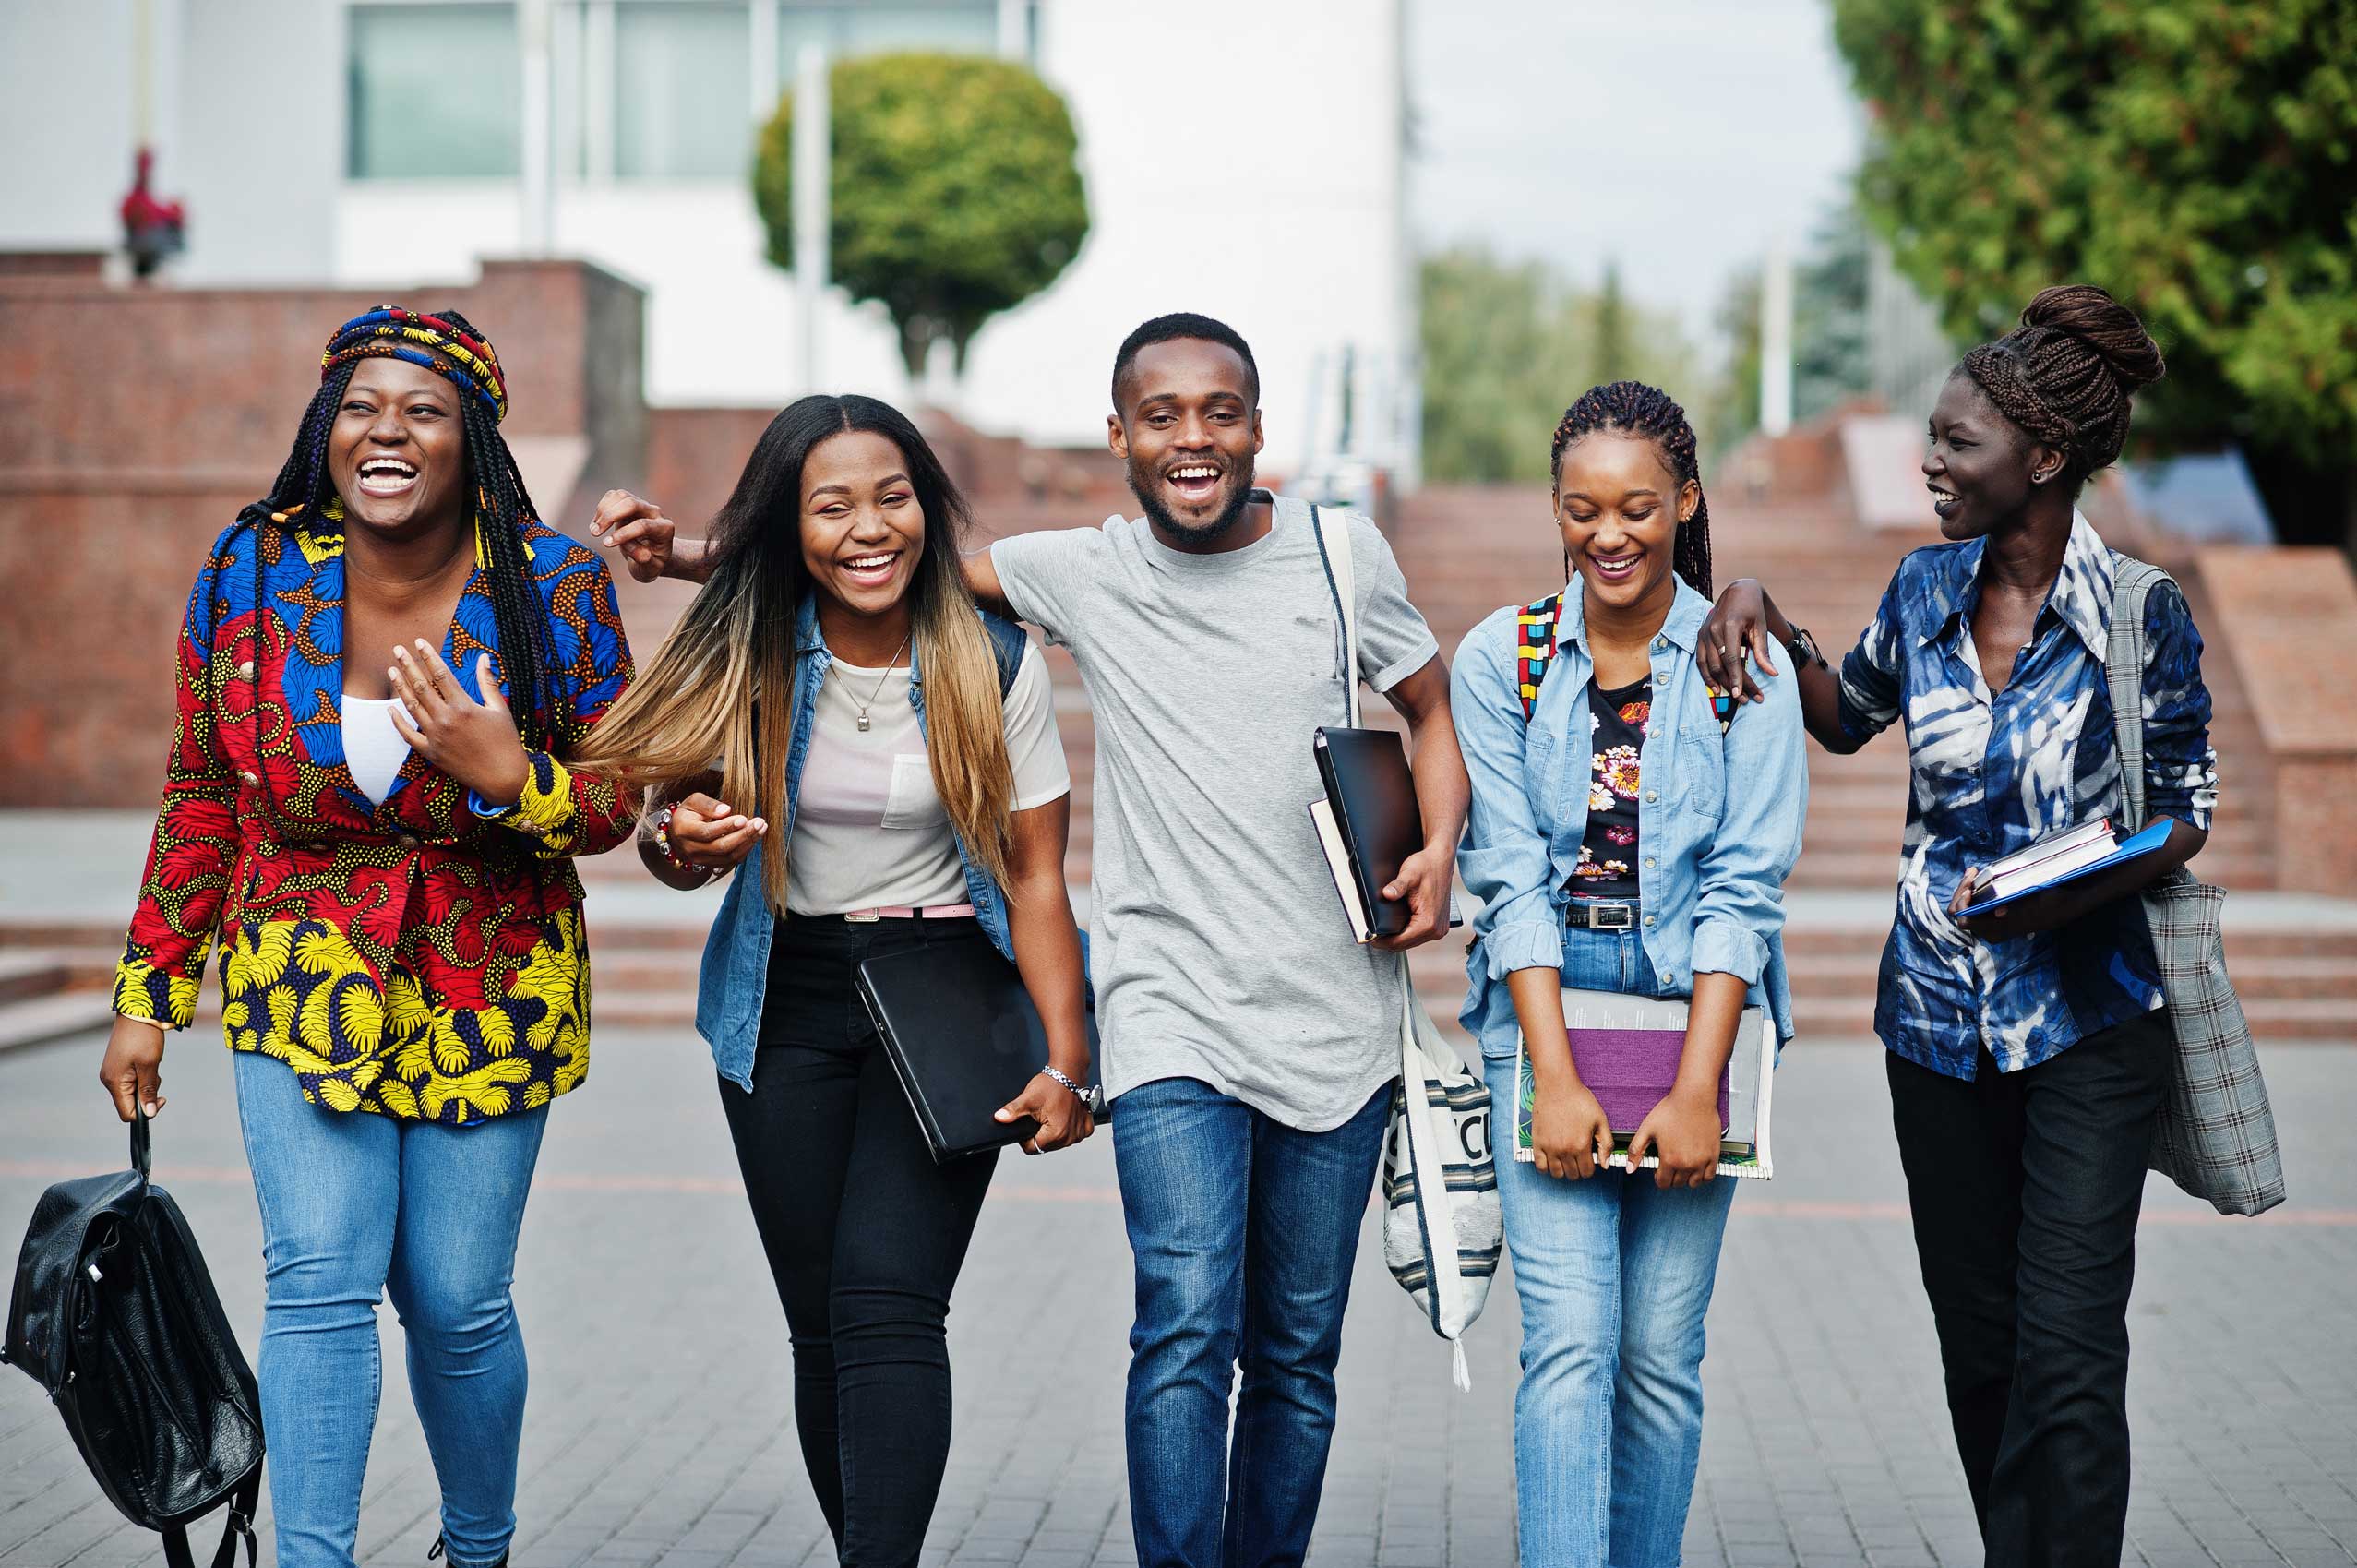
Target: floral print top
422,957
1616,723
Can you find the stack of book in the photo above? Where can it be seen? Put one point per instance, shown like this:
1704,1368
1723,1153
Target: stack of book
2061,857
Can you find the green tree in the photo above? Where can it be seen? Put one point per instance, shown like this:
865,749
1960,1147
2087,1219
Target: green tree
1830,363
2198,158
1731,408
1506,347
1613,354
955,193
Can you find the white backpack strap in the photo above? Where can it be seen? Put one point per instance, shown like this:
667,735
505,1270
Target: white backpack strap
1334,547
2132,583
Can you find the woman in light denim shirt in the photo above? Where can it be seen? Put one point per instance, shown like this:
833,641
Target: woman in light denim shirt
924,801
1628,866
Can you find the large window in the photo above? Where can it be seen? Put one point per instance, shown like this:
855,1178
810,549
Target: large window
433,92
849,27
681,93
641,89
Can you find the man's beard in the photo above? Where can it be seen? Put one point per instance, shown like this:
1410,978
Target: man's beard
1147,488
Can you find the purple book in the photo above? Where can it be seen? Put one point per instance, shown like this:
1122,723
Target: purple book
1627,1051
1628,1070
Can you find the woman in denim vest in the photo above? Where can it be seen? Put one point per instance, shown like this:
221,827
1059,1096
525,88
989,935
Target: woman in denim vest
918,791
1610,853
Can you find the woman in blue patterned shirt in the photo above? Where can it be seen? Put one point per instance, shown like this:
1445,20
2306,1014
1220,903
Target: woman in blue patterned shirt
2028,1048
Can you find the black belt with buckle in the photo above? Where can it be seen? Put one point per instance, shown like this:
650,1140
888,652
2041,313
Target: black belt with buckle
1603,914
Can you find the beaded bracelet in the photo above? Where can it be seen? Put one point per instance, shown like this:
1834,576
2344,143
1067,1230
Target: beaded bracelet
661,823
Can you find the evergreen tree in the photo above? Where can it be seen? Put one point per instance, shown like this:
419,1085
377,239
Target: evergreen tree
2197,157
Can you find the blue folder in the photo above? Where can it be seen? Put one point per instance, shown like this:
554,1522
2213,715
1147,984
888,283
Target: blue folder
2135,847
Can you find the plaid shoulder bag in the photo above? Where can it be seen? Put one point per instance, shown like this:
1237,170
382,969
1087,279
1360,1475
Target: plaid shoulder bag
2216,1136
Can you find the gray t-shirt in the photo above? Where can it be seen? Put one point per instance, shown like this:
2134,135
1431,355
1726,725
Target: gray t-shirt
1216,946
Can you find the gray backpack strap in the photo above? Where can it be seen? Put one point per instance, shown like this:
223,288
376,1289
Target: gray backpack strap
2132,583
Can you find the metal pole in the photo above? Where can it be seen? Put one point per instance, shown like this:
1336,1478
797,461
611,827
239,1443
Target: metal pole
811,176
1776,340
538,187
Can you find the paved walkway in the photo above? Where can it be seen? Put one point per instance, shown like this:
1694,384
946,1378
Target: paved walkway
659,1431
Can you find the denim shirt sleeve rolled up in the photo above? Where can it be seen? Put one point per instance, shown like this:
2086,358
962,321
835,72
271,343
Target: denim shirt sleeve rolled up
1504,859
1719,815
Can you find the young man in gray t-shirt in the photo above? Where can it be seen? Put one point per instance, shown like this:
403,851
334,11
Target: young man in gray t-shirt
1250,1045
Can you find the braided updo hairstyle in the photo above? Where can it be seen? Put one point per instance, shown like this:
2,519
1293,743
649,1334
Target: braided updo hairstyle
2067,375
1649,412
304,497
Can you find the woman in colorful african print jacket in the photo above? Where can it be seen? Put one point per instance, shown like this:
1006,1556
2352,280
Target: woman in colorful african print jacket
382,843
2028,1045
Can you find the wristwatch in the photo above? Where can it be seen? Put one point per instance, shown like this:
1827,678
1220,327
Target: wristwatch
1803,648
1092,1097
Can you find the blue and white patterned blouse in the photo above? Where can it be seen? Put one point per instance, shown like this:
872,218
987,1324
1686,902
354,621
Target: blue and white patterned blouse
1994,774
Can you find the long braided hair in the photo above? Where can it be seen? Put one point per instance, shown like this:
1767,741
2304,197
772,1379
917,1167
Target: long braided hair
303,497
2069,373
1649,412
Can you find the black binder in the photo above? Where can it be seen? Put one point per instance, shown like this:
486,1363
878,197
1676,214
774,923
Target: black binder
1373,798
964,1037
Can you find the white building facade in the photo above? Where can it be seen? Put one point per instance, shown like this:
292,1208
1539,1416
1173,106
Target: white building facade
1250,167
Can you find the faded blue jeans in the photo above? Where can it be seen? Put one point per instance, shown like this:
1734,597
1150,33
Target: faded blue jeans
1615,1276
1243,1231
354,1206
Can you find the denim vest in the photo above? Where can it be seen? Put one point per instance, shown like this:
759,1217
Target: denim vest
1719,821
737,955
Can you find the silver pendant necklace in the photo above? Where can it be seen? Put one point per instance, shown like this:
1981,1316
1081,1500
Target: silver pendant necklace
880,679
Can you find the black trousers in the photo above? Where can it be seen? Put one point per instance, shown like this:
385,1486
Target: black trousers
2026,1188
864,1236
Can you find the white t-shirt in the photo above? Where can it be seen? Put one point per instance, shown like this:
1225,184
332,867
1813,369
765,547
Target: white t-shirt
869,827
372,749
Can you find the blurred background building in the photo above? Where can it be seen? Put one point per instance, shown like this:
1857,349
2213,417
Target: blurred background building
390,144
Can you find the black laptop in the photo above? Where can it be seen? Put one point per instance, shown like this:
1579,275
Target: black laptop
964,1037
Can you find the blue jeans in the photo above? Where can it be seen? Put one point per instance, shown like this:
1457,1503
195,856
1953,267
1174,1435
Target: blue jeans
1615,1276
1244,1230
355,1204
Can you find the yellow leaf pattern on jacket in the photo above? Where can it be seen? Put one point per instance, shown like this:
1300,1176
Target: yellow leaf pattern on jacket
370,1041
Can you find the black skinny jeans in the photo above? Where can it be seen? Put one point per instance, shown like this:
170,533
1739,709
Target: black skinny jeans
2026,1188
865,1234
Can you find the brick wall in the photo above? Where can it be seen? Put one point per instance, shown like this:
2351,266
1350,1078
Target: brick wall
134,421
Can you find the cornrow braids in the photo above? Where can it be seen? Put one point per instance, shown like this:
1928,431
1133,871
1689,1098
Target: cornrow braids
526,647
2067,374
302,490
1649,412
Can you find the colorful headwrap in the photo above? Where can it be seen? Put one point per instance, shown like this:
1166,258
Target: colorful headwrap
390,332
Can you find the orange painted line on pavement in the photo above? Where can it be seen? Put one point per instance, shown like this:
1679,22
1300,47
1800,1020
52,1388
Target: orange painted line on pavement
591,1181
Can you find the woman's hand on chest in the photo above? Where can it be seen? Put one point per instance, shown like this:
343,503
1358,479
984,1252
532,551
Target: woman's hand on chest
475,743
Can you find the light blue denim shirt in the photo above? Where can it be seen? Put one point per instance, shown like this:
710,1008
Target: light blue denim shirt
737,954
1719,816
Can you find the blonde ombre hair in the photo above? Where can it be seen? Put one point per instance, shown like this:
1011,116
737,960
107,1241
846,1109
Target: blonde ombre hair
730,660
